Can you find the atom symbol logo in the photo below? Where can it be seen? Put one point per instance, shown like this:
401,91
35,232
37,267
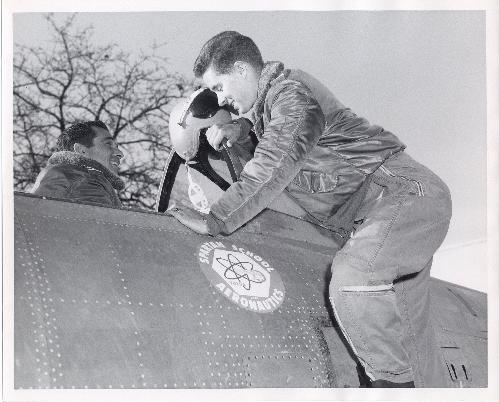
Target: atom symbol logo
242,271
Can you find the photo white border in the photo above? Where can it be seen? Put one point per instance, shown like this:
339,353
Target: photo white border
9,7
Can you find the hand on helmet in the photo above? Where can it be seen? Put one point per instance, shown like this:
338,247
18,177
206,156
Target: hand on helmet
216,134
231,131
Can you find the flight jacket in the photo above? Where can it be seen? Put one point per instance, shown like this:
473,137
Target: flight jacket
72,176
310,145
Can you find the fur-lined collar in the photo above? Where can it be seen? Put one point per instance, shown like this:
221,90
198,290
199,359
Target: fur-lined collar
76,159
271,70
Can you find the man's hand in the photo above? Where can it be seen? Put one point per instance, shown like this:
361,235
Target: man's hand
190,218
231,131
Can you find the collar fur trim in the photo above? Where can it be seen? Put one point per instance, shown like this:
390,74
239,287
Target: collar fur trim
271,70
78,160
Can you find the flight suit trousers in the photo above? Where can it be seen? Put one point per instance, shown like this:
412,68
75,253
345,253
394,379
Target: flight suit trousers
379,287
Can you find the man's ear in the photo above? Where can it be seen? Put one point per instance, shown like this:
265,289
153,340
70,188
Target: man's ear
79,148
241,68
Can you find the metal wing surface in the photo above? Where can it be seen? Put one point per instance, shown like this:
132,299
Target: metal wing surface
107,298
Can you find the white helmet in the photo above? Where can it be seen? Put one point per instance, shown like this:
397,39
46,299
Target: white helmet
188,118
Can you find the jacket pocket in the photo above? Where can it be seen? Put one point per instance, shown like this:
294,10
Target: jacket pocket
315,182
368,290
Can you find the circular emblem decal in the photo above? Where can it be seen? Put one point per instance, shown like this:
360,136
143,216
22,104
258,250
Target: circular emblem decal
242,276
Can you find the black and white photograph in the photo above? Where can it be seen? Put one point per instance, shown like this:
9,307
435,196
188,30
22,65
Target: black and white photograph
275,201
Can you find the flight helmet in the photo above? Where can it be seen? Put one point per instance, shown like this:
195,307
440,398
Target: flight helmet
189,118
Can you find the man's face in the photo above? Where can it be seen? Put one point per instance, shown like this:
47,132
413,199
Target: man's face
237,88
104,150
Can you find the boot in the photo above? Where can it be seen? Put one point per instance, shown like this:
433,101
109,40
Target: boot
390,384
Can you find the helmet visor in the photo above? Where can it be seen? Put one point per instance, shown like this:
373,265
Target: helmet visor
203,105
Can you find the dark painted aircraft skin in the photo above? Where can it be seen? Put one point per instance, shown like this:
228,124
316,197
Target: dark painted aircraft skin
111,299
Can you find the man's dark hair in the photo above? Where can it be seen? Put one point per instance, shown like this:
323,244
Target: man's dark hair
81,133
223,50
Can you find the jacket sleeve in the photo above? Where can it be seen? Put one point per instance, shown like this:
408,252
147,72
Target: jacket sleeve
245,145
296,123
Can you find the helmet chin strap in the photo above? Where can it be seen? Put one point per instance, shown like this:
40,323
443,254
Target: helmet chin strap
196,194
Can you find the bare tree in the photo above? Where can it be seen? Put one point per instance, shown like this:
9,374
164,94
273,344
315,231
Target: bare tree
76,80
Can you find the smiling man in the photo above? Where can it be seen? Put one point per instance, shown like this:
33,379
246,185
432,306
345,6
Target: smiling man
353,178
85,167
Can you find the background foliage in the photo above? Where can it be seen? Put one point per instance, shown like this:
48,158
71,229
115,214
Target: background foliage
76,80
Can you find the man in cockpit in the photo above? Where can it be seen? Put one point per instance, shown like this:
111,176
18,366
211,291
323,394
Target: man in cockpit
84,168
351,177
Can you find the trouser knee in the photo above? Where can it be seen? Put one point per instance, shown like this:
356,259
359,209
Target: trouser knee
365,308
